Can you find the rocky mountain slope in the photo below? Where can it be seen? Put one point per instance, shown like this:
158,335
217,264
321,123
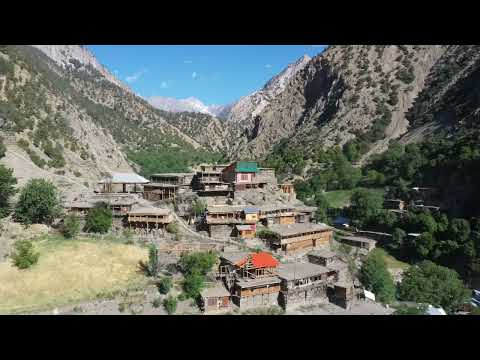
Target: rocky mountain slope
340,95
73,123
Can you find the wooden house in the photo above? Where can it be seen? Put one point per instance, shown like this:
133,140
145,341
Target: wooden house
344,294
289,190
167,186
215,300
359,242
119,203
157,191
267,175
302,283
300,236
246,231
250,215
251,278
148,218
243,175
270,215
322,257
305,214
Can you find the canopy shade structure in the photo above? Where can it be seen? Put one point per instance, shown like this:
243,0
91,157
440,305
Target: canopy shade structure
124,178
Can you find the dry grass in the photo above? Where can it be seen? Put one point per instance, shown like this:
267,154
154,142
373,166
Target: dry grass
70,271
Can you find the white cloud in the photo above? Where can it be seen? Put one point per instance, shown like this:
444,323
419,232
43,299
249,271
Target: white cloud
134,77
268,66
187,61
194,75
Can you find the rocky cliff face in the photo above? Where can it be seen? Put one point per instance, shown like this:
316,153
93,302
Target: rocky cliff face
68,56
339,95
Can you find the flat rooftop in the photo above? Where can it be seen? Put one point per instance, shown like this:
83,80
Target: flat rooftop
293,271
299,228
225,208
358,239
124,178
323,253
234,256
145,210
247,283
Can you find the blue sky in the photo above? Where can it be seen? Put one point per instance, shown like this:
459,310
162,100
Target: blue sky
215,74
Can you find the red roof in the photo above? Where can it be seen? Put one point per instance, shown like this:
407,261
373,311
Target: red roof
260,260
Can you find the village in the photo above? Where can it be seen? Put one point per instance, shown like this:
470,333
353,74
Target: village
272,252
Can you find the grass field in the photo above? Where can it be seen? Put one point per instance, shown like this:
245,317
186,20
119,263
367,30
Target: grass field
69,271
391,262
341,198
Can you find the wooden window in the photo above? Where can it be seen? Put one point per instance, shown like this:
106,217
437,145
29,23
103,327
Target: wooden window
212,301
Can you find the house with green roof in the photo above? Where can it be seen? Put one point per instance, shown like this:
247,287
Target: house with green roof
243,174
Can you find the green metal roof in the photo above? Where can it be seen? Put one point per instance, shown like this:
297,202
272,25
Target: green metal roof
246,166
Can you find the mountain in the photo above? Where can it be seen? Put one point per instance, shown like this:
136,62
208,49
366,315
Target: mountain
248,107
191,104
69,56
73,123
357,93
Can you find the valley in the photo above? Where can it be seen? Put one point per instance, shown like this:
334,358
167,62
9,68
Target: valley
302,171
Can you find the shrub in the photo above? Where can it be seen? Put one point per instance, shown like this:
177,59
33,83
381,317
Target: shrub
99,219
152,260
172,228
410,310
165,284
3,149
39,203
77,173
25,256
71,226
156,303
170,305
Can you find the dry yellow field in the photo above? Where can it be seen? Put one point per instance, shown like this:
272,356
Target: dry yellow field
70,271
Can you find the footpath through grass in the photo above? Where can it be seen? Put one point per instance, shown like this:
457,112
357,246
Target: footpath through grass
391,262
69,271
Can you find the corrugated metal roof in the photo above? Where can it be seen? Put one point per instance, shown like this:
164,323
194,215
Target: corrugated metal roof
260,260
124,178
298,228
250,210
245,227
246,166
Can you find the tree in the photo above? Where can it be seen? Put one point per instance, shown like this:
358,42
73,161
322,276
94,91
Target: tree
398,238
165,284
152,260
24,256
39,203
201,262
459,230
170,305
429,283
424,244
7,190
71,226
99,219
322,205
375,276
365,204
198,207
3,149
193,284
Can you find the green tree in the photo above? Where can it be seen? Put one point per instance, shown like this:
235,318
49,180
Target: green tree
25,255
7,190
398,239
429,283
424,244
39,203
3,149
198,207
459,230
170,305
375,276
99,219
365,205
193,284
201,262
71,226
322,205
152,260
